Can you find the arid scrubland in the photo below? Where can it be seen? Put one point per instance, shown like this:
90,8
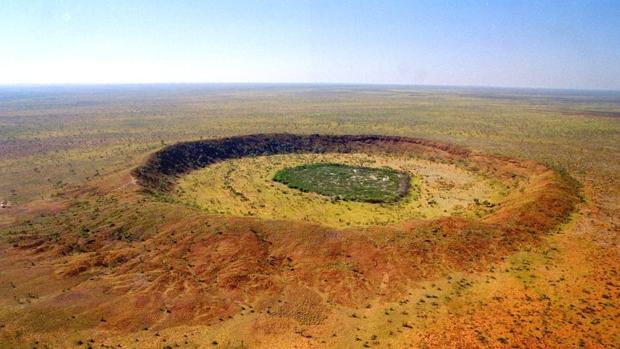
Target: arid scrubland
512,237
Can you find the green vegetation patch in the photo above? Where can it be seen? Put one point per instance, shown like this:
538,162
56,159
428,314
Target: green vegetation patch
347,182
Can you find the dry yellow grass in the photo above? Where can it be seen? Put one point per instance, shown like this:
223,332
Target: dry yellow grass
244,187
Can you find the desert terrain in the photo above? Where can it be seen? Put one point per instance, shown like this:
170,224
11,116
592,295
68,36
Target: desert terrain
149,217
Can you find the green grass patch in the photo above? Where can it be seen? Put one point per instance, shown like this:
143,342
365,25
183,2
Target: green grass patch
345,182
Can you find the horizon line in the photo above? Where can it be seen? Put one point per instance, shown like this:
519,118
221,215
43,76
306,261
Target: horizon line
111,84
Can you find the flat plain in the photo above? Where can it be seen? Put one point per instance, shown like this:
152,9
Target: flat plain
90,260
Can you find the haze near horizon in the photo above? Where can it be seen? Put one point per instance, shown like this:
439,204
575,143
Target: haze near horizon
554,44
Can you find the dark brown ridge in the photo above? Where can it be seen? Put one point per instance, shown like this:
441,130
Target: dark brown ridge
160,171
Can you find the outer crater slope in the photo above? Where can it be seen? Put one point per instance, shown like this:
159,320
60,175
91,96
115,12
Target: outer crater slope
138,261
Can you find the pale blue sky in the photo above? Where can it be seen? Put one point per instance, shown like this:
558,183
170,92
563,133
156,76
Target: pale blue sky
555,44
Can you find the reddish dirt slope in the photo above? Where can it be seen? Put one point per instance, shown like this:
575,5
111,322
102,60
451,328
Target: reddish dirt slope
119,261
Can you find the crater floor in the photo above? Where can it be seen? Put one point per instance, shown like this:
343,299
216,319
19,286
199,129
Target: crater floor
245,187
346,182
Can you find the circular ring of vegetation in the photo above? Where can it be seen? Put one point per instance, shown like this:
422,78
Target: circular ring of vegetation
245,187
